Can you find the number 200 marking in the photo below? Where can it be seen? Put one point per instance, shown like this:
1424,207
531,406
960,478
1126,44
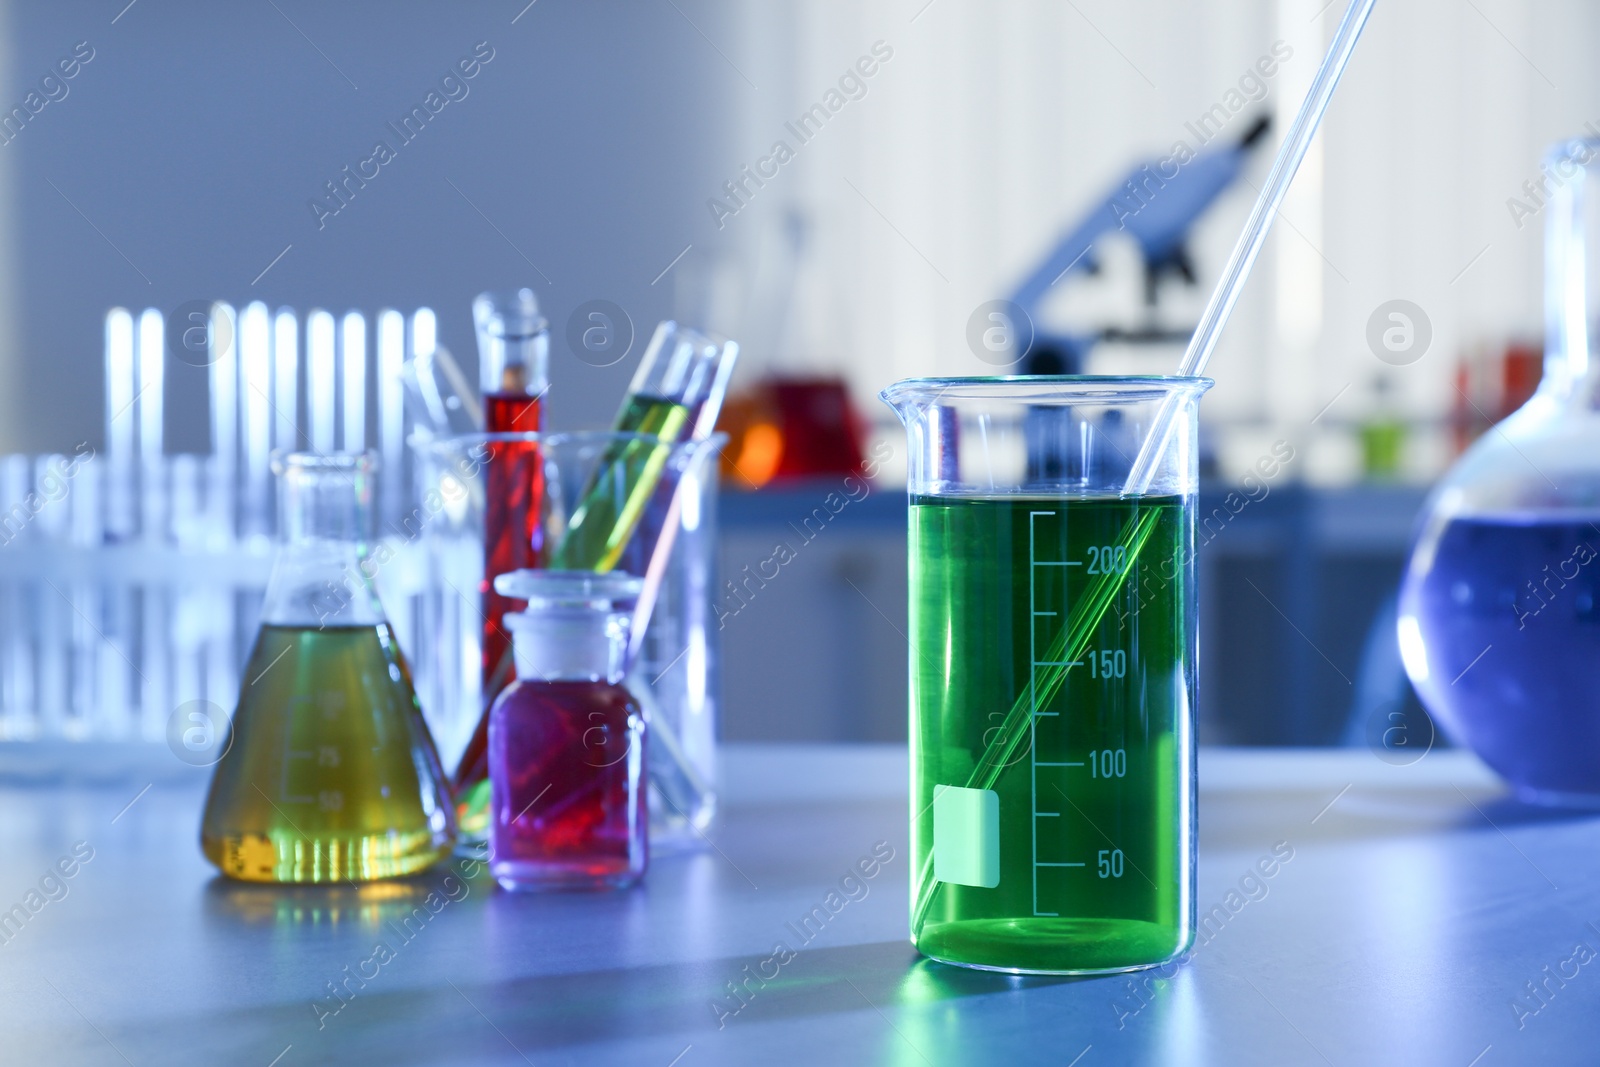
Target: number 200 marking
1107,559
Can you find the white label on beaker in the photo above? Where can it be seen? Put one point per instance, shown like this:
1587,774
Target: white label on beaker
966,836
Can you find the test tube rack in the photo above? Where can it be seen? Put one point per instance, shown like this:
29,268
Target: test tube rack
131,579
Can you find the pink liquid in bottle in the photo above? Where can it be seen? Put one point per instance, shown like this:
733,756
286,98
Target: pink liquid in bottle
565,759
567,740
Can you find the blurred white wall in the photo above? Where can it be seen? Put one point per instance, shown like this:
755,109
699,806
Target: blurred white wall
598,136
11,438
183,159
993,126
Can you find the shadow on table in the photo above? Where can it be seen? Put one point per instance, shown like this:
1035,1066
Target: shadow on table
1507,810
368,904
691,1002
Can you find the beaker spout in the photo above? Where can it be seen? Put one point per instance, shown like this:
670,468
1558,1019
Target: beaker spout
911,400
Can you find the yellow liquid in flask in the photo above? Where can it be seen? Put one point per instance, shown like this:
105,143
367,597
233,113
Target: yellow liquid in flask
331,774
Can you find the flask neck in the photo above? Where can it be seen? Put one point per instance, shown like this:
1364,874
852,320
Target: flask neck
1572,347
325,498
567,643
322,575
1573,383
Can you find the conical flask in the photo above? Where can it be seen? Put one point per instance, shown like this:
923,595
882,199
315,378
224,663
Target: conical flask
1499,620
330,773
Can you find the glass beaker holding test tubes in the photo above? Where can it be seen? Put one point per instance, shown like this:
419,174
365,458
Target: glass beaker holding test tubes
672,649
1052,629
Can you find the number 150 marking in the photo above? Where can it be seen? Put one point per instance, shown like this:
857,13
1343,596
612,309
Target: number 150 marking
1108,663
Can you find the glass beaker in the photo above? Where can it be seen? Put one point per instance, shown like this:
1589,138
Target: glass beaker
567,738
1052,631
672,644
1499,617
329,772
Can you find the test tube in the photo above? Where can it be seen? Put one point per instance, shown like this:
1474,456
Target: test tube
321,384
676,395
285,380
353,356
152,384
222,350
513,362
215,605
255,357
391,414
189,622
20,680
102,601
424,331
114,477
152,506
220,604
120,376
60,628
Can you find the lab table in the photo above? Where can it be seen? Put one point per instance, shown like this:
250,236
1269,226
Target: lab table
1414,914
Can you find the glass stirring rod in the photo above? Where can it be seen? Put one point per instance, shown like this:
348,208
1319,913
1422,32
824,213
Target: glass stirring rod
1231,284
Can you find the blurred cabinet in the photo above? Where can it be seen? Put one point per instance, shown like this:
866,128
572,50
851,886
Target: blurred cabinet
1289,589
812,612
813,632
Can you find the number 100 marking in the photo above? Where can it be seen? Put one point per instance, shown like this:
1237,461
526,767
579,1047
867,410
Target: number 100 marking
1108,763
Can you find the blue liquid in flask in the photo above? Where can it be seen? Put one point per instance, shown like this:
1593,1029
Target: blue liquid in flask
1506,618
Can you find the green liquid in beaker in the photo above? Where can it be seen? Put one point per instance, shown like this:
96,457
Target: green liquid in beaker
1047,669
622,485
331,774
